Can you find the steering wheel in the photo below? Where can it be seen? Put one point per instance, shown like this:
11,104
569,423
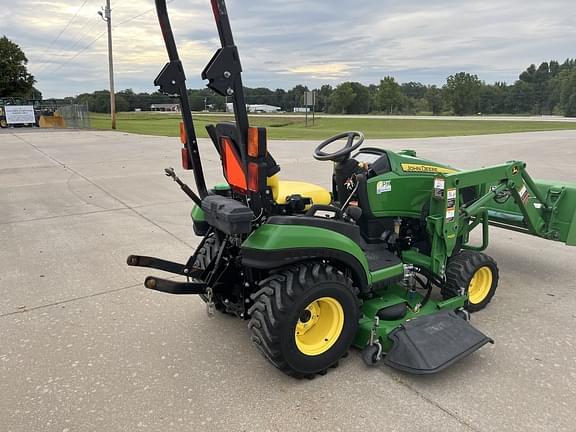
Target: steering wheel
342,154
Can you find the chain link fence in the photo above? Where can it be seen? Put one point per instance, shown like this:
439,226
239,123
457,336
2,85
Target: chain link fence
45,114
71,116
76,116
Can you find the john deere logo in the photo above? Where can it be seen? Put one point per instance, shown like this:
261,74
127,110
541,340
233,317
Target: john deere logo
515,170
427,169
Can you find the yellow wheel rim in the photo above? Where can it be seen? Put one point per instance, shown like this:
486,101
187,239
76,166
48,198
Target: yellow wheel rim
319,326
480,285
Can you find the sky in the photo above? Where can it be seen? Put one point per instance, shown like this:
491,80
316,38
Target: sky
287,42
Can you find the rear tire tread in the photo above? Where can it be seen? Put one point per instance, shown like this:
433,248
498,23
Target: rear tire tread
271,305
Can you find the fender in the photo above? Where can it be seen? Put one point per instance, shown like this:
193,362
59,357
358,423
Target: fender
275,245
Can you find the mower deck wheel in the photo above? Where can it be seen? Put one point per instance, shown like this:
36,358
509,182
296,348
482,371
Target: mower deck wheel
370,355
304,318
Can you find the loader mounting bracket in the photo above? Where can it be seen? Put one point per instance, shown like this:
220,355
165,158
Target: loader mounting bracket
222,71
171,78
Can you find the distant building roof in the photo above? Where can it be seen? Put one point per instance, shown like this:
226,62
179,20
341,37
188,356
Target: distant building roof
256,107
166,106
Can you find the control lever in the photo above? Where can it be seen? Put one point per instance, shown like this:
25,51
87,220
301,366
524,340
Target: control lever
172,174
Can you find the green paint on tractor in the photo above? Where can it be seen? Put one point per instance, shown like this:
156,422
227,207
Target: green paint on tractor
383,261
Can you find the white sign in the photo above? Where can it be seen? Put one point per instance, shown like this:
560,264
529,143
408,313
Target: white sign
20,114
309,99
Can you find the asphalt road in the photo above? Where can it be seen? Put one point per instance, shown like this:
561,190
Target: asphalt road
84,347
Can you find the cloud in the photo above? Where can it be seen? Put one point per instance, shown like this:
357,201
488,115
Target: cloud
283,43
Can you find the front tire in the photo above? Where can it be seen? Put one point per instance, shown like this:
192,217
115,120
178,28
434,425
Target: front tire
305,318
474,274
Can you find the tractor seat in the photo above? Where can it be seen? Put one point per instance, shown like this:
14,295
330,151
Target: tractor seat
281,190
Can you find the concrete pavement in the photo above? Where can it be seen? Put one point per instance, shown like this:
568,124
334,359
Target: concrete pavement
84,347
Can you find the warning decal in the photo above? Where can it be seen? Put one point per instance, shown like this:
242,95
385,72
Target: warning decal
383,187
524,194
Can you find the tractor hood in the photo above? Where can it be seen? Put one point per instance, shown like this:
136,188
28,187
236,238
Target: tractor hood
406,162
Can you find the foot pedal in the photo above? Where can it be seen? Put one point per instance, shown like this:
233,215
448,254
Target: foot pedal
431,343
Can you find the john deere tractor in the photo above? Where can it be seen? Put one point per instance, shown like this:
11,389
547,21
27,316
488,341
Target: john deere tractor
382,262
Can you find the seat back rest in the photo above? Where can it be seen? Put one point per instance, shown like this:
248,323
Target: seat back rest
243,158
246,165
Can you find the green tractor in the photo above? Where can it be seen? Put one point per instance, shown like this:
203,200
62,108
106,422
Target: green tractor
383,262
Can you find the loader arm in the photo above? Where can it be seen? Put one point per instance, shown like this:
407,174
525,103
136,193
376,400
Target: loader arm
506,197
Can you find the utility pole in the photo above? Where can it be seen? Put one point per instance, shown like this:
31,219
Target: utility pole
107,16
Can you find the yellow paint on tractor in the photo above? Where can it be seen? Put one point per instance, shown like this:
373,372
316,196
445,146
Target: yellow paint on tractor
319,327
480,285
282,189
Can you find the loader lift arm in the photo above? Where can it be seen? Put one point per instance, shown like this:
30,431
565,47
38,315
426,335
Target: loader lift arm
506,197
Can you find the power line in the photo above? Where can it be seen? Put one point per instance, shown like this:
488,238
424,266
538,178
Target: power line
77,54
139,15
71,46
49,49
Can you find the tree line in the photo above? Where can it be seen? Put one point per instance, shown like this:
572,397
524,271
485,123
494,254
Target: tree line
549,88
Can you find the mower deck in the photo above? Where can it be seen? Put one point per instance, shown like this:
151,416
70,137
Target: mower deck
431,343
420,341
395,295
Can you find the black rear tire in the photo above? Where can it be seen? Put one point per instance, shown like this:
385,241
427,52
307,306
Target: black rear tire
461,270
281,305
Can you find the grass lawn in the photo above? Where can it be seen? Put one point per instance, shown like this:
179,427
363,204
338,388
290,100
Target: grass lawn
285,127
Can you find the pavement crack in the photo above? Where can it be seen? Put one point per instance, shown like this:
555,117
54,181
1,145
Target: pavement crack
61,216
86,213
436,404
71,300
106,192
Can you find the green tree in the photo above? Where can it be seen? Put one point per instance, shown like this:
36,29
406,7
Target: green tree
463,93
295,97
494,99
361,102
323,97
342,98
15,80
414,90
350,98
389,96
435,100
122,104
567,91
